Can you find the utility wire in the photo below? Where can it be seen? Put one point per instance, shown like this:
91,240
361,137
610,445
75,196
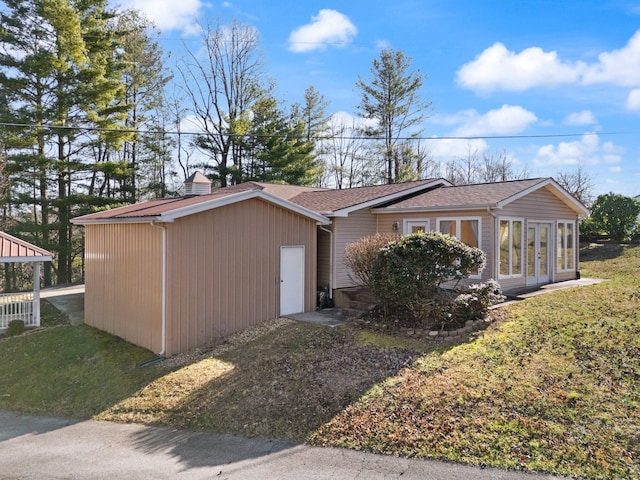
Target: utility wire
337,137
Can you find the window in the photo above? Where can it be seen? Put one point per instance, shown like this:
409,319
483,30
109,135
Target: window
415,226
466,230
565,246
510,248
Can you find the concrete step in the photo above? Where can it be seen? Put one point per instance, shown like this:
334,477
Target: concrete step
360,305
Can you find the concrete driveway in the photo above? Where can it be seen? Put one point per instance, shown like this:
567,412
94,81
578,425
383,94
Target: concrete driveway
53,448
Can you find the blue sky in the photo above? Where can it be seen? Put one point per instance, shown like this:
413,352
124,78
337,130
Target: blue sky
534,69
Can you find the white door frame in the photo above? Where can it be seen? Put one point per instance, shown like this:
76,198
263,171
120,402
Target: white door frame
292,279
537,274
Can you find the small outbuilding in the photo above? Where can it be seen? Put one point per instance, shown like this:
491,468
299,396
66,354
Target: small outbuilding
173,274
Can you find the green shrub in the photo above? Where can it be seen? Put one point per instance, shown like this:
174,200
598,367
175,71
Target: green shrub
475,300
16,327
589,230
360,255
616,215
410,271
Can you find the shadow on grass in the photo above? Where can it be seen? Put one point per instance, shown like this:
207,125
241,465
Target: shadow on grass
284,385
604,250
69,371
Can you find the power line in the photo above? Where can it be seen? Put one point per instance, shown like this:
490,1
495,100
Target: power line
337,137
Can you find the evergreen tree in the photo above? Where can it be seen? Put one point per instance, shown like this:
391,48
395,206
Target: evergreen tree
58,74
391,98
276,148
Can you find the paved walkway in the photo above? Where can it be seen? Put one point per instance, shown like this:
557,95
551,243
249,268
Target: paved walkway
35,448
69,300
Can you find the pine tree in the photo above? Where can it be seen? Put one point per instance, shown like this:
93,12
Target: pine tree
58,74
392,99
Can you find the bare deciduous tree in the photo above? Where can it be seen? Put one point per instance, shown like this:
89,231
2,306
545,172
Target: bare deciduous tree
222,82
578,183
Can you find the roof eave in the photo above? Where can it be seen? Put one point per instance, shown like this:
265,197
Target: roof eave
241,196
344,212
563,195
26,258
109,220
439,208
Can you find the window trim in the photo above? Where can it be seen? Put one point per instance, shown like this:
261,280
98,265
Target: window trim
407,223
458,220
498,250
565,257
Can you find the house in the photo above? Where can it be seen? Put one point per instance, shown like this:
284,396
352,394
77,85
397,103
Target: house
24,306
172,274
527,228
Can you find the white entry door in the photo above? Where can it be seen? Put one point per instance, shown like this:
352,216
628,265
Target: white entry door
291,280
538,243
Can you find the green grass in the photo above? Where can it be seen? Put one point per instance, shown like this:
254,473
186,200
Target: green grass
284,384
552,386
555,388
68,371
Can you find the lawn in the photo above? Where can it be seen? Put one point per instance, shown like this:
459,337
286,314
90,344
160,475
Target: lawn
552,385
555,388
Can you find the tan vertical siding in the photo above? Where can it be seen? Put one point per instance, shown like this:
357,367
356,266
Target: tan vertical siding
224,268
357,225
123,279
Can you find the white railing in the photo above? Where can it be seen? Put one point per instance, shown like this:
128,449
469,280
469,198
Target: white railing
18,306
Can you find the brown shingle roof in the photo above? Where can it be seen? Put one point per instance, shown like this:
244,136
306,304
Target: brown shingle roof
484,194
319,200
12,247
330,201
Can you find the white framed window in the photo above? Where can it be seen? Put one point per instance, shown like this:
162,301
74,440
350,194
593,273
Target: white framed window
465,229
565,245
416,225
511,240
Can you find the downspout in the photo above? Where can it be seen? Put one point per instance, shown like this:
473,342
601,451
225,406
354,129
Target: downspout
325,229
496,241
161,226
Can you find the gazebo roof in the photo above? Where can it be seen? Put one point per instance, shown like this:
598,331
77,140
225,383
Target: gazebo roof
13,249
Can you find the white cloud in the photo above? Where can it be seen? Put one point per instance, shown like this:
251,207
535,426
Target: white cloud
329,27
618,67
507,120
168,14
616,169
344,119
585,117
586,151
633,100
497,68
446,150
